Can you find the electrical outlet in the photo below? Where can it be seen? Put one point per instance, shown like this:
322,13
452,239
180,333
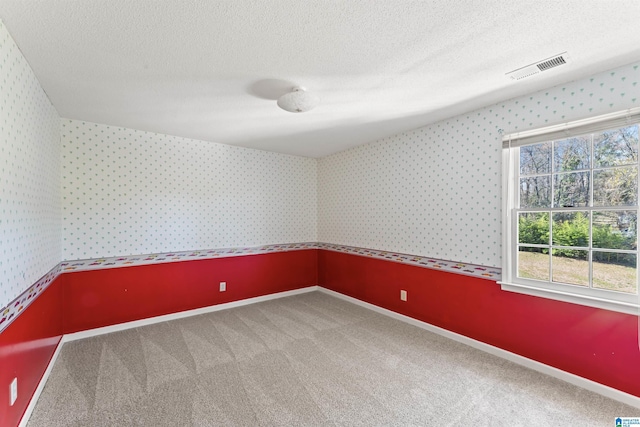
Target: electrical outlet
13,391
223,286
403,295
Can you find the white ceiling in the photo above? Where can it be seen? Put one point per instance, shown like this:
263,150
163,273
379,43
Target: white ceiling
212,69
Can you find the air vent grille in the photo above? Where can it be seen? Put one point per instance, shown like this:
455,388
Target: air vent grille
550,63
538,67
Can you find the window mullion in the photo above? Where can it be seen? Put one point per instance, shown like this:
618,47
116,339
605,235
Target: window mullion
514,196
591,183
593,158
616,251
637,229
577,248
590,253
551,206
550,255
551,177
566,220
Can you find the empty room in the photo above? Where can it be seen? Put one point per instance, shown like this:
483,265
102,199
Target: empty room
319,213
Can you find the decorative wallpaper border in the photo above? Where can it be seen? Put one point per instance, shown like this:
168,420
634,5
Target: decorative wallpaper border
11,311
481,271
133,260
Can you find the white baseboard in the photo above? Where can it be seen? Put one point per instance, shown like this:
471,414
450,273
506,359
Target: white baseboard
601,389
182,314
576,380
143,322
36,395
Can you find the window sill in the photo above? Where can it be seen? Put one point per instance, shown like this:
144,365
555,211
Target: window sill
589,301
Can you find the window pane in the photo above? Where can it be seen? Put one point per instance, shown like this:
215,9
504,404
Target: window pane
535,159
616,147
572,154
615,187
571,266
571,190
614,271
570,229
615,229
533,263
535,192
533,227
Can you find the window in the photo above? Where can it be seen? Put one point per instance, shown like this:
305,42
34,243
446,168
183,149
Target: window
571,212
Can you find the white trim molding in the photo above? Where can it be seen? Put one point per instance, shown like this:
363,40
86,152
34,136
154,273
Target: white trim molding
576,380
182,314
585,292
36,395
589,301
143,322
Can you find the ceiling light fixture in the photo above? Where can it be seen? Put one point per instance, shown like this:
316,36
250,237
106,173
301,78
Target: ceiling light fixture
298,100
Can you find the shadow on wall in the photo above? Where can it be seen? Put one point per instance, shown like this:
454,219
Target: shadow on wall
271,89
352,132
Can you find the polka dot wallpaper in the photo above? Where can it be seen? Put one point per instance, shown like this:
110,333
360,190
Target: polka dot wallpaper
72,190
128,192
436,191
29,175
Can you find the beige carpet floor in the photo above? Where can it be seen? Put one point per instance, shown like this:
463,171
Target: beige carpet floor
306,360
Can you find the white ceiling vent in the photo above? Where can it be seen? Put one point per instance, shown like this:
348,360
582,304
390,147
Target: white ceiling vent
538,67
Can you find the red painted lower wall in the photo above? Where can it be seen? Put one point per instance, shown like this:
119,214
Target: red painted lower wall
90,299
596,344
97,298
26,347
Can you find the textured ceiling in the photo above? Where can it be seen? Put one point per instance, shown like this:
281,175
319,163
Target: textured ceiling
212,70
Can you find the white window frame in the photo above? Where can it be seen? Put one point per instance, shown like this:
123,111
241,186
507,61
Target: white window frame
593,297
